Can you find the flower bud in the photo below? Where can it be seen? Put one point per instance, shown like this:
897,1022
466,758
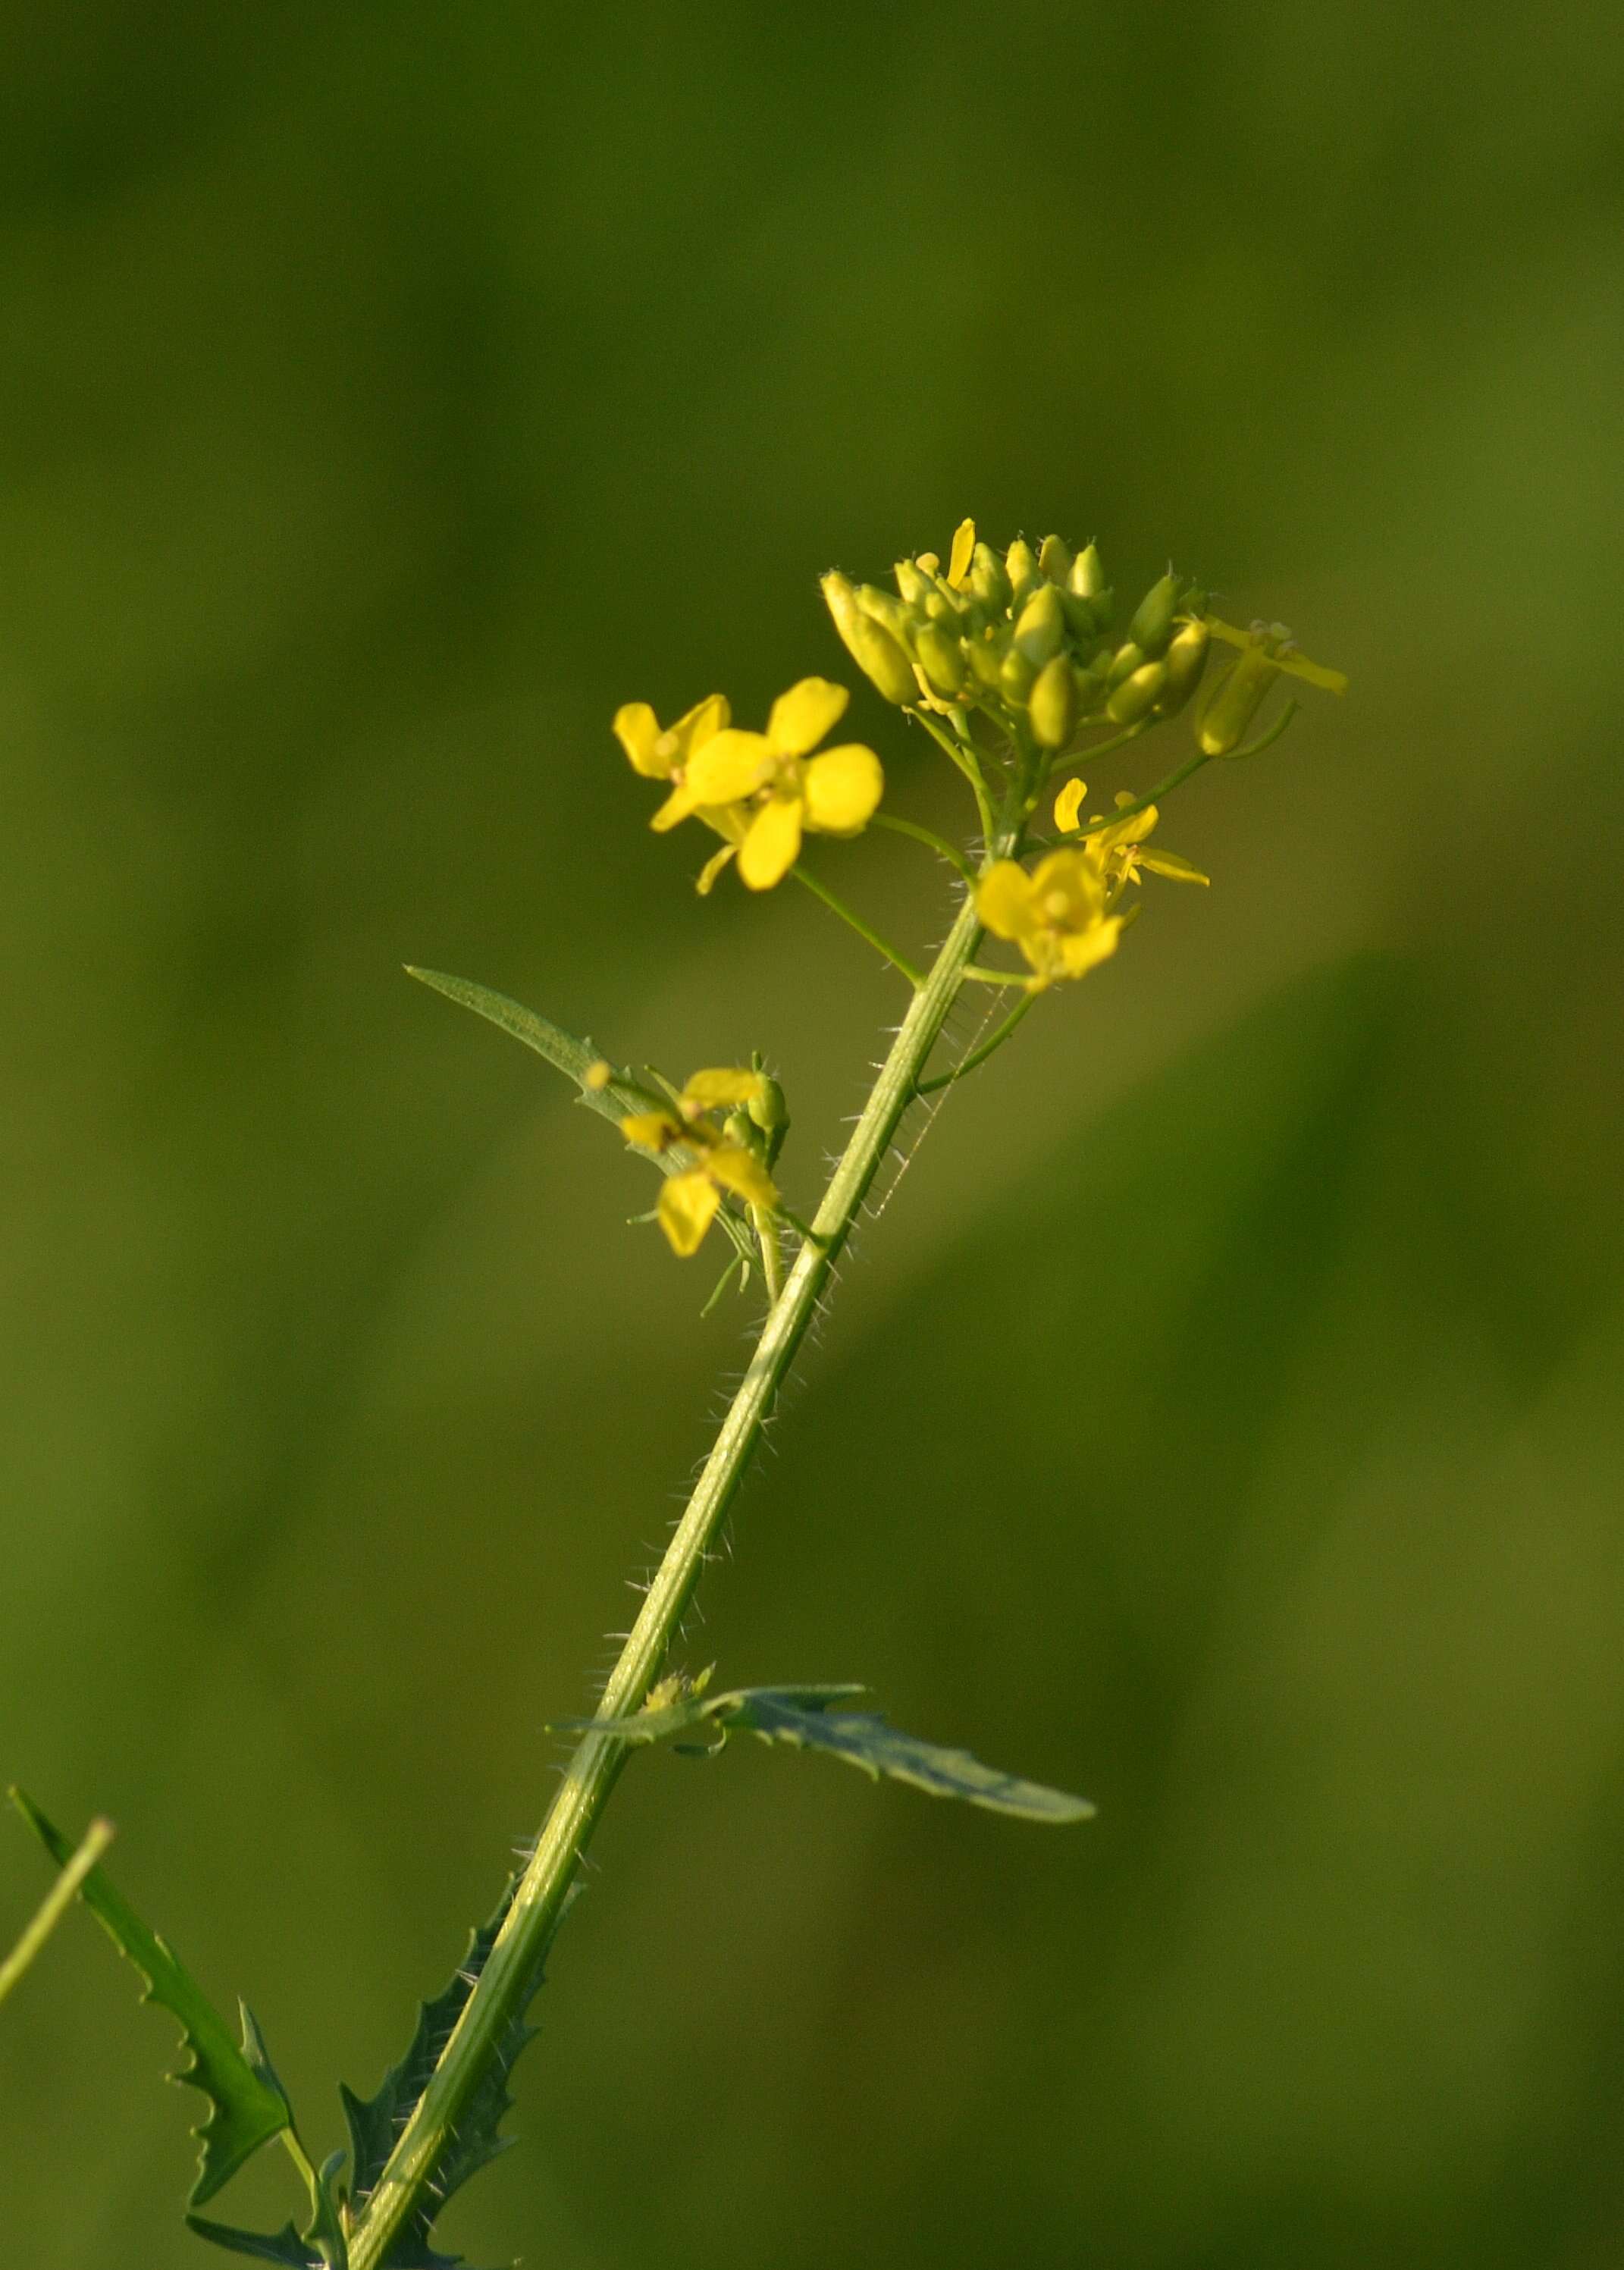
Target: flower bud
1152,621
1137,696
1229,708
1124,662
913,581
1020,565
1080,617
1087,575
876,653
1054,560
888,610
1186,659
988,579
986,660
1017,676
1040,629
1053,703
1091,684
938,656
767,1108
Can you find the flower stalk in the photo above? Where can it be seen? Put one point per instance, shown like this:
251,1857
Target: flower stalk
544,1889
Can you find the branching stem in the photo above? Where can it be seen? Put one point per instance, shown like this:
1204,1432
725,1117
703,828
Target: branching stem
538,1899
871,936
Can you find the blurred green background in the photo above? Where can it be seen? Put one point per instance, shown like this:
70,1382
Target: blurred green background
1224,1418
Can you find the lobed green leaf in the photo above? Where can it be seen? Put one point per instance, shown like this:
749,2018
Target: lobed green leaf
247,2106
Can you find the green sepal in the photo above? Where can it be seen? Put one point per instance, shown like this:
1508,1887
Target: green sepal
804,1717
247,2106
285,2245
615,1100
375,2122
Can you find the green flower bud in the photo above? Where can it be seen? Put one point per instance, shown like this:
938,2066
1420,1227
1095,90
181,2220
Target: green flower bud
1040,629
1087,575
912,581
986,660
988,578
1091,684
1055,559
873,649
1020,565
1230,708
938,656
1081,615
1186,659
768,1108
1137,696
1124,662
887,609
1152,621
1053,703
1017,677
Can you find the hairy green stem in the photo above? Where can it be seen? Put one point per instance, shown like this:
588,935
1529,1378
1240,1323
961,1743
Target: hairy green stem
539,1897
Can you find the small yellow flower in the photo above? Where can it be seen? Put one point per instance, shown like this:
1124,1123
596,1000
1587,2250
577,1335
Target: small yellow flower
774,787
665,754
1268,651
688,1201
1120,844
1055,914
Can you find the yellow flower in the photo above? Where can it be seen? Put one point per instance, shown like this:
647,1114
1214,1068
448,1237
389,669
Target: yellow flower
775,787
1055,914
688,1201
664,754
1267,652
1120,844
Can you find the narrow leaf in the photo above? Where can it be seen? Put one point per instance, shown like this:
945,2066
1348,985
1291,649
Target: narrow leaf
247,2106
803,1717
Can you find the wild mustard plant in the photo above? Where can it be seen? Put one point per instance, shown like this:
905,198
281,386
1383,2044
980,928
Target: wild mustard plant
1010,662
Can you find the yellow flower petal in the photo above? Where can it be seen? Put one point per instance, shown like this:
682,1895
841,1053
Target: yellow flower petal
1003,899
740,1171
1069,803
677,807
701,724
712,868
842,787
770,848
730,766
1169,864
687,1207
1116,832
720,1084
802,716
652,1129
963,552
598,1076
1067,891
637,729
1087,948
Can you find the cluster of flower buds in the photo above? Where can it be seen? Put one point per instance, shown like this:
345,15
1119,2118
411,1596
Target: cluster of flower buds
1029,633
1030,637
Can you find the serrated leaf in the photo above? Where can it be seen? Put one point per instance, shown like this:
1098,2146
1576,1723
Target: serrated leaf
375,2122
614,1100
803,1718
285,2245
247,2105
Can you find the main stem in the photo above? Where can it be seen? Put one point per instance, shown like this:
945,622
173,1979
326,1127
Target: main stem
538,1899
